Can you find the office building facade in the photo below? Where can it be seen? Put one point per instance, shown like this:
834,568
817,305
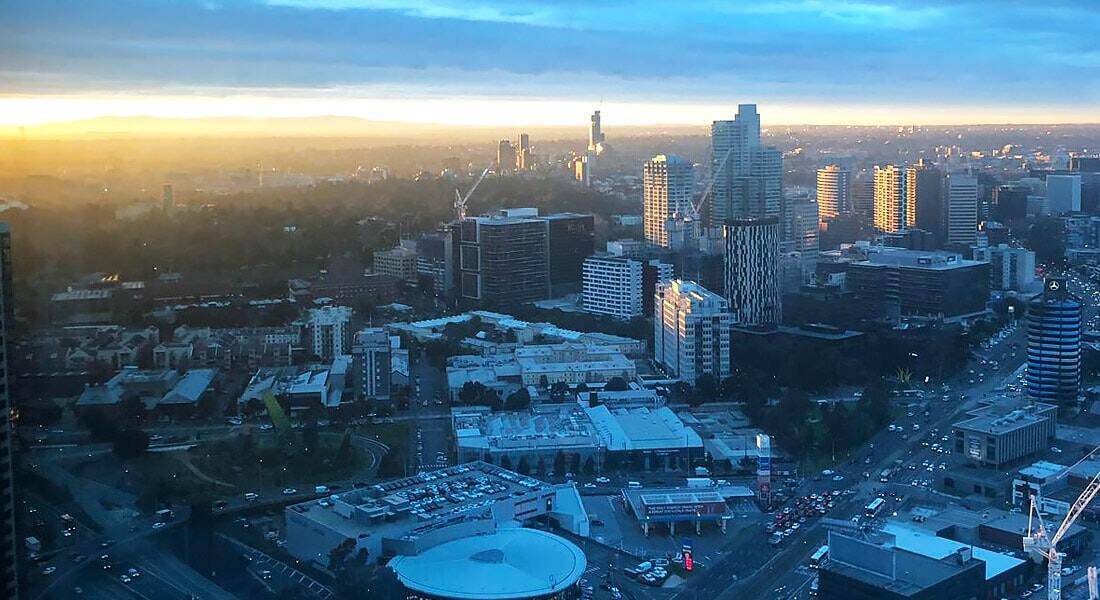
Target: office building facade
893,282
924,196
1054,324
572,239
834,192
503,259
962,209
1010,269
668,182
889,199
752,277
691,331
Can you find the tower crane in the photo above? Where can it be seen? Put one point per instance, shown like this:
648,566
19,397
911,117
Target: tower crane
1042,545
460,200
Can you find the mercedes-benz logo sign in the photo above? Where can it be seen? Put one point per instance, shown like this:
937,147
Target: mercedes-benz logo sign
1053,285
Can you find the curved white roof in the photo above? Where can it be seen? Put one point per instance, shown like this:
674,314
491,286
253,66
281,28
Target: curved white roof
508,564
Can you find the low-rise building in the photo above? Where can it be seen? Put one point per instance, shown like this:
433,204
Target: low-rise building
1004,431
406,517
398,262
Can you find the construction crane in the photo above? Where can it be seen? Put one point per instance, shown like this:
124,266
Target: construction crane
1042,545
694,209
460,200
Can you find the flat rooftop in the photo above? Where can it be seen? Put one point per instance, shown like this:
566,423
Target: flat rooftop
421,502
928,544
641,428
1004,416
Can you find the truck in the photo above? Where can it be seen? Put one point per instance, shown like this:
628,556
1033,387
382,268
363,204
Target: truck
164,515
32,544
700,482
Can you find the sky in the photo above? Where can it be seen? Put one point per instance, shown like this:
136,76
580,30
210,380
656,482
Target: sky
550,62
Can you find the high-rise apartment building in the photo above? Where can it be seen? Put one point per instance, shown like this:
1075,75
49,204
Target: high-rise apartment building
617,285
691,331
748,177
371,357
329,331
1054,345
889,198
8,545
834,192
668,182
752,278
924,208
962,209
525,159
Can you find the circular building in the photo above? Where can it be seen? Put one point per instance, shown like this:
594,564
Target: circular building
1054,345
505,565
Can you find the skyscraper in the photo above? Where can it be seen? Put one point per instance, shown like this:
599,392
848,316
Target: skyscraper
8,575
1054,344
889,198
834,192
962,209
506,156
1064,193
667,183
752,286
595,134
371,356
691,331
924,208
863,198
748,177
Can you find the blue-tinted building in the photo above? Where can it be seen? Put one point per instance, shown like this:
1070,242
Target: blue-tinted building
1054,345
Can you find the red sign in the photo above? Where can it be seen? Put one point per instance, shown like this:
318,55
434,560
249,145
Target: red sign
689,564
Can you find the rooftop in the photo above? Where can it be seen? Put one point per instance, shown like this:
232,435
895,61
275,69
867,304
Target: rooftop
927,544
641,428
1004,416
510,563
917,259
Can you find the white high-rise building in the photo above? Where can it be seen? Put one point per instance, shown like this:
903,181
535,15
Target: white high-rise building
1063,193
1010,269
612,285
748,177
889,198
753,271
691,331
668,182
962,209
834,192
372,358
329,333
804,225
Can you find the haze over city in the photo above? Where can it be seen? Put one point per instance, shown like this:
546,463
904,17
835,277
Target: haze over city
549,300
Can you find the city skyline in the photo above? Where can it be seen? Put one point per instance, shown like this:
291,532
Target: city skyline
488,63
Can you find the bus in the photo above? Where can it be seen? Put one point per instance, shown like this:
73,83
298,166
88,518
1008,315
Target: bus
821,554
874,508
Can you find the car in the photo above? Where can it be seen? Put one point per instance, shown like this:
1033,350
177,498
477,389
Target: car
265,574
132,572
251,496
838,478
827,473
49,570
158,525
590,486
603,480
289,491
124,578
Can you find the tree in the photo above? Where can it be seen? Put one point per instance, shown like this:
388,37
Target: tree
559,390
340,553
559,462
130,443
518,400
616,384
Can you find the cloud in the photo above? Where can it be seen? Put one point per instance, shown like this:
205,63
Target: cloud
960,51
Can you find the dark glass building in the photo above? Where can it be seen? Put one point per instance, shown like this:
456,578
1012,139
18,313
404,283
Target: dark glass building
1054,345
8,580
893,282
572,239
503,260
